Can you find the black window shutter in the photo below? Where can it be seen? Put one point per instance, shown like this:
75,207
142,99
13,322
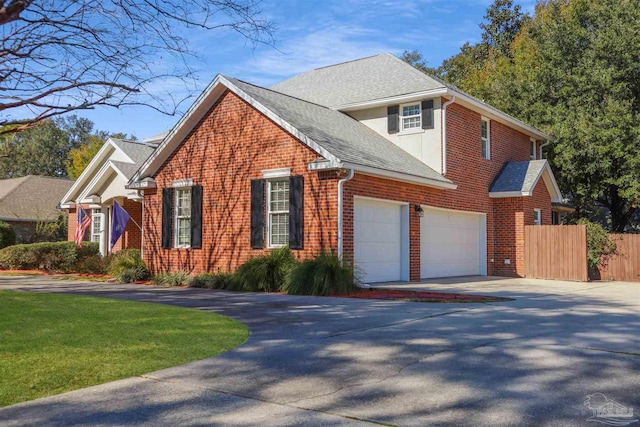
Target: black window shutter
167,217
296,218
427,114
393,117
257,213
196,216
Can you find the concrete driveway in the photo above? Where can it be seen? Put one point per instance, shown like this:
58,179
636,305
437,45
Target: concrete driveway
333,362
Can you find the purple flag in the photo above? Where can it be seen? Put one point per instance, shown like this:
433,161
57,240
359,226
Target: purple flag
119,221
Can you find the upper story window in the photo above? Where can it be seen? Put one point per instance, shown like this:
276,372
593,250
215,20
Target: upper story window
537,217
410,117
532,149
96,225
278,212
485,133
182,217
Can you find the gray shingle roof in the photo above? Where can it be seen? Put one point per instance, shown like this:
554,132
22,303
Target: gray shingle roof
376,77
128,169
32,198
342,136
373,78
518,176
138,151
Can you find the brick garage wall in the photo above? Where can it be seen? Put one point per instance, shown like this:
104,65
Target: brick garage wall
508,236
511,215
230,146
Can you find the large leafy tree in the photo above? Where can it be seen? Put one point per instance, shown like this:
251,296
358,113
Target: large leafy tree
59,147
40,150
575,72
471,69
66,55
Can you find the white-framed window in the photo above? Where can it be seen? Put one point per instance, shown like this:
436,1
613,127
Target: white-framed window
537,217
182,215
485,135
277,212
410,117
96,225
532,149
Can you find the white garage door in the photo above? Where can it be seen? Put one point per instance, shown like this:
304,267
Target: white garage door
378,240
452,244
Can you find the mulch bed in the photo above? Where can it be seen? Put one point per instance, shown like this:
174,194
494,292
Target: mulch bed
377,294
24,273
422,296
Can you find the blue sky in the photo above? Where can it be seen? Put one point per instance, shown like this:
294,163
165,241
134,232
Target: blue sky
312,34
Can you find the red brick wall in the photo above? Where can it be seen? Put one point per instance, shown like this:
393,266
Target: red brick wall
230,146
132,236
511,215
233,143
73,221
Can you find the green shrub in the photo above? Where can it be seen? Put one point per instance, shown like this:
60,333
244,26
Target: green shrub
266,273
226,281
173,278
599,245
125,259
127,266
92,264
325,274
47,256
7,235
133,274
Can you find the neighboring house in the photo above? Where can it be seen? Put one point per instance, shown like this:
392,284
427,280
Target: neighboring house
102,182
371,159
29,200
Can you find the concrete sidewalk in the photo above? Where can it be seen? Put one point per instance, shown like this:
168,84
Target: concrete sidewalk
331,361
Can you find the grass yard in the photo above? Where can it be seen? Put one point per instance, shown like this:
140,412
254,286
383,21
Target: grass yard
53,343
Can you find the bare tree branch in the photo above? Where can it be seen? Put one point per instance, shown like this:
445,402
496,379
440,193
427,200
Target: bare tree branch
59,56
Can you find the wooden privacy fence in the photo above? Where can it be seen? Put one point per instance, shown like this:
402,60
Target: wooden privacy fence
560,252
556,252
625,264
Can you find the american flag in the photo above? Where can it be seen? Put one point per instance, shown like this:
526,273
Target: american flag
84,221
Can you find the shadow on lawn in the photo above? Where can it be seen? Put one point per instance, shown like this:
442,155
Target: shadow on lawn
528,362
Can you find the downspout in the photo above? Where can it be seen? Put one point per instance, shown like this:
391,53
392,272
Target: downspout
141,193
543,145
341,213
444,133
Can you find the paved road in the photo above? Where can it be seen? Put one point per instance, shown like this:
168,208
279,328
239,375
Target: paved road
335,362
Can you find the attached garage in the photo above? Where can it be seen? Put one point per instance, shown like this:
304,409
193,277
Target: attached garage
381,240
452,243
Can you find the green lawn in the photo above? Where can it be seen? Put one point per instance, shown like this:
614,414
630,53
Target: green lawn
52,343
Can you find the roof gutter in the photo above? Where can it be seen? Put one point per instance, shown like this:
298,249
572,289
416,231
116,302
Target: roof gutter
444,133
341,212
496,114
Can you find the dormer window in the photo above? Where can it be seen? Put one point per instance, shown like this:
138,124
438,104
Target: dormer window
411,117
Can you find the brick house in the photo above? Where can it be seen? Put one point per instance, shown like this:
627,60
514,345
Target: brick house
403,175
101,183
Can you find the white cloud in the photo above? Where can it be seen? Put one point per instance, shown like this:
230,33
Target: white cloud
320,48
